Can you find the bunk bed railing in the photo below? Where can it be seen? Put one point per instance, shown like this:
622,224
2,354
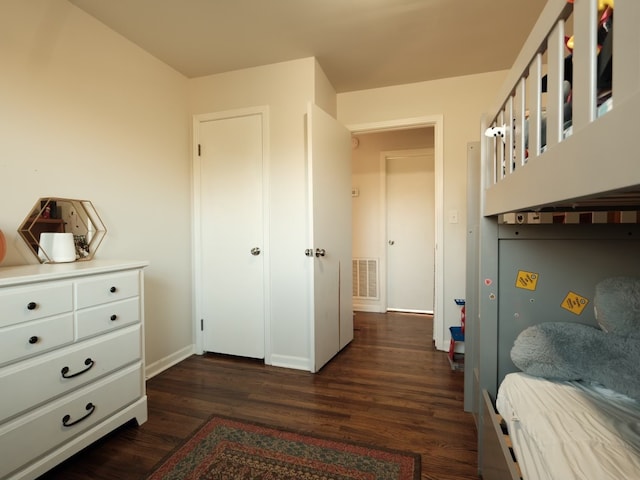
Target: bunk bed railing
525,126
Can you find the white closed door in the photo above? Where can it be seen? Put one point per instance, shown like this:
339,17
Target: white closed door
232,257
410,233
329,169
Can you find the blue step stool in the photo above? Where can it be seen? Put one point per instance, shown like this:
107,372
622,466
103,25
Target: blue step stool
457,336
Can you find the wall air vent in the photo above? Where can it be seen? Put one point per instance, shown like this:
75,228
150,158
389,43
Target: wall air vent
365,278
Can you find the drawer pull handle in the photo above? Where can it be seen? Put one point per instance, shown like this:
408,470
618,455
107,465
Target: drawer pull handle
33,340
32,306
114,317
65,370
113,289
66,419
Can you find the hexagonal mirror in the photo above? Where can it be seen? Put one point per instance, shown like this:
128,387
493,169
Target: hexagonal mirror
59,230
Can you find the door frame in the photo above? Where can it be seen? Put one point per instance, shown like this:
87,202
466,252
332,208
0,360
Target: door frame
263,111
437,123
413,152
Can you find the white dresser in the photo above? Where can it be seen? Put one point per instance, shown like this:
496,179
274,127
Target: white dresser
71,359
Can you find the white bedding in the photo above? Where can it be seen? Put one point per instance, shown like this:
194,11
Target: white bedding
570,430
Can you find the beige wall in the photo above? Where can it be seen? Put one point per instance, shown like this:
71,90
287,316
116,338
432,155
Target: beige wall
86,114
461,101
325,94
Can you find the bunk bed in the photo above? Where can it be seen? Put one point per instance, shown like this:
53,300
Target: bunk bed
568,170
556,211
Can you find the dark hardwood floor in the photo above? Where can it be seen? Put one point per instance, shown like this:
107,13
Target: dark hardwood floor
388,388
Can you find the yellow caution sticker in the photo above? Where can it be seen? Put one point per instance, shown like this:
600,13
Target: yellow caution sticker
574,303
527,280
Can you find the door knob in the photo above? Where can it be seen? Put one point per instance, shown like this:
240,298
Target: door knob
392,242
309,252
255,251
320,252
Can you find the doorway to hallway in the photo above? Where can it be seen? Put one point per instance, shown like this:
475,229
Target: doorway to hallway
435,123
384,207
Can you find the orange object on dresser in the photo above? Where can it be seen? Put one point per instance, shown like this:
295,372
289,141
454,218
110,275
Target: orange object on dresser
3,246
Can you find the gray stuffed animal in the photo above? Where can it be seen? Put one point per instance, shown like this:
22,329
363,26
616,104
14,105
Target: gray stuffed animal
609,355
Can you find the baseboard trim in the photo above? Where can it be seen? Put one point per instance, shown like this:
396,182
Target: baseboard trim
161,365
367,308
297,363
407,310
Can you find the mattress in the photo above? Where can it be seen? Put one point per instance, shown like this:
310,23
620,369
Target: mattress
570,430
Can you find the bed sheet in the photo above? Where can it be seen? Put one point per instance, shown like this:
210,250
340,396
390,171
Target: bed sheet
570,430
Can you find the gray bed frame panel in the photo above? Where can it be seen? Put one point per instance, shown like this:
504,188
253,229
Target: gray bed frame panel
497,462
564,260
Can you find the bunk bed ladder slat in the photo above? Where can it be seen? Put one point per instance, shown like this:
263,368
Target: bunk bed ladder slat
500,157
519,117
583,89
555,77
509,139
535,105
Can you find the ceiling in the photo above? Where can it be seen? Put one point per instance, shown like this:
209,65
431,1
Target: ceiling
360,44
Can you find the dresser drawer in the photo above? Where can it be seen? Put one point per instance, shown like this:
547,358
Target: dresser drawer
93,321
53,374
32,338
21,304
38,432
107,288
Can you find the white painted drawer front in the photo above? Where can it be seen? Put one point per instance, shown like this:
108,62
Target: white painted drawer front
21,304
37,380
107,288
92,321
32,338
32,435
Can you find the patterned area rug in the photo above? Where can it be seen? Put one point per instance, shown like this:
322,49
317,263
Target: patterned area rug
226,449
